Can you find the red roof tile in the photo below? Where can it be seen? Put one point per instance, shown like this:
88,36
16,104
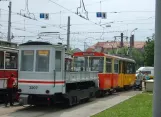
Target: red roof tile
108,45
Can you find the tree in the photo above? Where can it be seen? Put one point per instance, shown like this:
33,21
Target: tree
149,51
137,55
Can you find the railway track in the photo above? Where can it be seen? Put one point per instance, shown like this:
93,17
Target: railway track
56,111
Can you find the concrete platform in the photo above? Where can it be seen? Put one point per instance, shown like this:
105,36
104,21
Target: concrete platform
82,110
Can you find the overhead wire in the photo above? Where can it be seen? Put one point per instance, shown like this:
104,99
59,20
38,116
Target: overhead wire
74,13
39,21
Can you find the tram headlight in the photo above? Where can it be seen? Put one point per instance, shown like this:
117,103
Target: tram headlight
47,91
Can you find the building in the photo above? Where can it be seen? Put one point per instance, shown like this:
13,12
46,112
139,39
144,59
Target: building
107,46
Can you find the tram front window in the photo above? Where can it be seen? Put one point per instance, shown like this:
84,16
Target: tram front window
68,64
1,60
96,64
11,60
42,61
80,63
27,60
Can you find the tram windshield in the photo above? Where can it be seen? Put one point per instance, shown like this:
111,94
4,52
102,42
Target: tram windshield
91,64
96,64
41,63
42,60
80,63
27,60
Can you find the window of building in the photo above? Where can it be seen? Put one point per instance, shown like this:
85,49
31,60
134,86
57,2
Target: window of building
108,65
1,60
27,60
116,66
42,60
58,58
11,60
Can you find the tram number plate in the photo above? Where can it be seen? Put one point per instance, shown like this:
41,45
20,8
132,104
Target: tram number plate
33,87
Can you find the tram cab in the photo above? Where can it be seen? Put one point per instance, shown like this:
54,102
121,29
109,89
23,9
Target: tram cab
41,67
45,75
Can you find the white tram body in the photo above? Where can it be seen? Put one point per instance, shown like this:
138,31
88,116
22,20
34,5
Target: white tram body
43,77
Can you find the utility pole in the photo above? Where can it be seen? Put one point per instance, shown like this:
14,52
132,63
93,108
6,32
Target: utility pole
131,42
157,62
68,34
122,40
84,46
9,23
131,45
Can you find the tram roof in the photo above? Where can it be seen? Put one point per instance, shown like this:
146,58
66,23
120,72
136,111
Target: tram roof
99,54
39,43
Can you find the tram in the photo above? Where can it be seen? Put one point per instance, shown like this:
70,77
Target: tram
114,72
8,66
46,77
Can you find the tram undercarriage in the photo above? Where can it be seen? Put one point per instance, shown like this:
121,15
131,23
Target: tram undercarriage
75,93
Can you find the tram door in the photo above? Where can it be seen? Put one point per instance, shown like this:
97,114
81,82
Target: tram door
59,70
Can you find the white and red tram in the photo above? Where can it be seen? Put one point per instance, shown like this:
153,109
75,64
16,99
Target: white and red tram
8,65
45,76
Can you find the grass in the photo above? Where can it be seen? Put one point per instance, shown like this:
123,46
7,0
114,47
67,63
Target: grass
138,106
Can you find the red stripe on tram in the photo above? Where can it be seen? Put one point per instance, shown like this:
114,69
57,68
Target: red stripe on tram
42,82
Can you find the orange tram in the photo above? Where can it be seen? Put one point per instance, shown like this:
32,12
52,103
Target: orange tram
115,73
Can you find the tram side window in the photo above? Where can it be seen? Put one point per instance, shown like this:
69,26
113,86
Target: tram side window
1,60
116,66
27,60
101,65
42,60
58,59
130,68
133,68
120,67
124,67
108,65
11,60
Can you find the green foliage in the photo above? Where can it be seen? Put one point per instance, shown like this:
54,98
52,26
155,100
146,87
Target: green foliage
70,51
149,52
138,106
137,55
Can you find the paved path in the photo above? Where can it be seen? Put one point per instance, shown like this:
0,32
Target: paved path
82,110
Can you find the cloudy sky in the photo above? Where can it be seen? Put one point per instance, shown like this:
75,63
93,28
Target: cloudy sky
122,15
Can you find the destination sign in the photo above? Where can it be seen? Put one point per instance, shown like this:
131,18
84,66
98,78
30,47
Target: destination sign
43,52
88,54
28,52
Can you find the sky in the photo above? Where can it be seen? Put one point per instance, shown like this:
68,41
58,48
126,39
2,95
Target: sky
122,16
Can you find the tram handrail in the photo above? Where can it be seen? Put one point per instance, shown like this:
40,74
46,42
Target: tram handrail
54,76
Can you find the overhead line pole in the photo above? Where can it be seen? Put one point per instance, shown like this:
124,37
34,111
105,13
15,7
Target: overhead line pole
68,34
9,23
157,62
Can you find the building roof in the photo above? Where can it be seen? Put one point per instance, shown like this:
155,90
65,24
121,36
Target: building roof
113,44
